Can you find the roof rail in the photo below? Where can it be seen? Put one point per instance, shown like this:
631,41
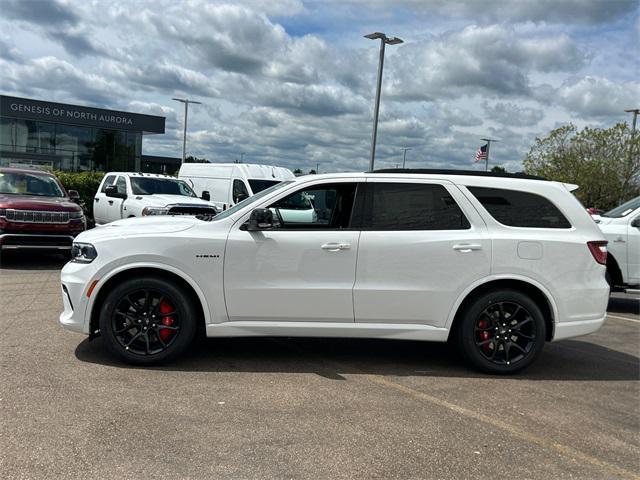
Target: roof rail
474,173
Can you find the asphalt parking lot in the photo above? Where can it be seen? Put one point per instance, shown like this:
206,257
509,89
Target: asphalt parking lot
307,408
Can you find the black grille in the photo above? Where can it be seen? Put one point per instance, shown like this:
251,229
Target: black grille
36,216
34,241
191,210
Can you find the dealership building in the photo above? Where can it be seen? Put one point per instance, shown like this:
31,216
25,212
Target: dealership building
74,138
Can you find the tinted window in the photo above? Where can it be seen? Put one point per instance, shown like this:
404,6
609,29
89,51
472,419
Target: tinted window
107,181
411,206
259,185
520,209
319,207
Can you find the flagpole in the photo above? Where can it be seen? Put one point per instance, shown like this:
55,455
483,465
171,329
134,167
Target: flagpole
486,161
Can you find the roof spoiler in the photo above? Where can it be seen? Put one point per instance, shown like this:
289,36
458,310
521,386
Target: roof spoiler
571,186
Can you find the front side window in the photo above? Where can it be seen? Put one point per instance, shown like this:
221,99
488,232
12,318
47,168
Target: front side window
411,206
166,186
30,184
319,207
240,191
107,181
121,185
515,208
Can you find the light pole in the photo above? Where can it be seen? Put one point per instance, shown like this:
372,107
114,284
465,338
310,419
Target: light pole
404,155
635,112
384,40
486,161
186,102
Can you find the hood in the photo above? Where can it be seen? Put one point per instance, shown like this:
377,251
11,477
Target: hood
152,225
35,202
162,200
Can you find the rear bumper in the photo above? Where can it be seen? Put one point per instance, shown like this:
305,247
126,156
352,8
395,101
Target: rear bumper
33,241
575,329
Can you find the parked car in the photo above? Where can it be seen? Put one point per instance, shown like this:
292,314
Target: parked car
36,212
125,195
498,264
621,227
230,183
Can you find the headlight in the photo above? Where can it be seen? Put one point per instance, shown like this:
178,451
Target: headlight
83,253
3,212
154,211
76,215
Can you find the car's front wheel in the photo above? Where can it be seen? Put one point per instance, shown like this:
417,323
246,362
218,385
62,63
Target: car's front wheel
147,320
502,332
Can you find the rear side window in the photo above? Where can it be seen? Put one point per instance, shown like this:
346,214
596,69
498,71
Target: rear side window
107,181
520,209
411,206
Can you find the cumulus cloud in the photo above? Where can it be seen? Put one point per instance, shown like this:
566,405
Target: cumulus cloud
598,97
41,12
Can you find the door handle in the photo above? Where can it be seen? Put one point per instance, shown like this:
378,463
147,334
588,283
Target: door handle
335,246
467,247
96,199
110,202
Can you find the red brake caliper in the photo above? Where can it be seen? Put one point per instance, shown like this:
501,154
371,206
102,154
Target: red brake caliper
165,333
484,335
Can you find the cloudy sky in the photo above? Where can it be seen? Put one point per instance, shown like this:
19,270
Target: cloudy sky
292,82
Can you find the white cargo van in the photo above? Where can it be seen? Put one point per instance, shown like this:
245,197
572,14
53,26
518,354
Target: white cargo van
230,183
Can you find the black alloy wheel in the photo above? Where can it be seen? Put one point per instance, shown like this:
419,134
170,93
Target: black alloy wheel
147,320
502,332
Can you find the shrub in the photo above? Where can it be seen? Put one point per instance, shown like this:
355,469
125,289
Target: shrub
85,183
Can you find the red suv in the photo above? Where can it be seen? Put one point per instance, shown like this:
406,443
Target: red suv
36,212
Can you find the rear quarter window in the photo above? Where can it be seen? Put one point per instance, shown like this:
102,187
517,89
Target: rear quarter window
515,208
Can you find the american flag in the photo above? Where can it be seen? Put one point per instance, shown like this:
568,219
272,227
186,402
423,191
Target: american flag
481,154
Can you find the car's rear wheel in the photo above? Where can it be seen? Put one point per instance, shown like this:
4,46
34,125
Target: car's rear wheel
147,320
502,332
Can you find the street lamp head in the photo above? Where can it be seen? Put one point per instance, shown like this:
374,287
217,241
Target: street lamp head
633,110
393,41
179,100
375,36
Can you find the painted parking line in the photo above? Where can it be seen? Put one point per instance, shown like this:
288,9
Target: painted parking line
617,317
507,427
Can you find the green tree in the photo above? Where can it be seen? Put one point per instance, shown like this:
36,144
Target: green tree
605,163
498,169
312,172
192,159
297,171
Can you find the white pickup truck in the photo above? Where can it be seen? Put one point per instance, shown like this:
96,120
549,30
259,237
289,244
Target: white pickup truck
621,227
125,194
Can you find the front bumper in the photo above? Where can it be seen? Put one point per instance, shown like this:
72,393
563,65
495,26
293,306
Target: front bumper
75,279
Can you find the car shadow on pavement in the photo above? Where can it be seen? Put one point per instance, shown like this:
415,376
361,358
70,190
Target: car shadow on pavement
28,260
624,303
332,358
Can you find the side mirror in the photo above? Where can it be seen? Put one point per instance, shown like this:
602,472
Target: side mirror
260,219
636,222
112,191
240,197
74,196
205,196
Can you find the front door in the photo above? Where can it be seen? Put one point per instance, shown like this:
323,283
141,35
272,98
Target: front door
304,268
418,251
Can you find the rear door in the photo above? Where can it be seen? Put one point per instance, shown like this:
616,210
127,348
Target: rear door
633,252
422,244
100,204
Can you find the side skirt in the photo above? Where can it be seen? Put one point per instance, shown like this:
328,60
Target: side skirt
327,329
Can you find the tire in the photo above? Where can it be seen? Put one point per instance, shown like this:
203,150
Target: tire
501,332
158,313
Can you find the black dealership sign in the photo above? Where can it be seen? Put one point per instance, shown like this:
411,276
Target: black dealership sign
93,117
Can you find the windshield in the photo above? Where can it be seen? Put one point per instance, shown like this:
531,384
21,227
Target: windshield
260,185
167,186
250,200
30,184
624,209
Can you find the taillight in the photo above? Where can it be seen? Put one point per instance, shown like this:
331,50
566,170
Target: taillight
599,251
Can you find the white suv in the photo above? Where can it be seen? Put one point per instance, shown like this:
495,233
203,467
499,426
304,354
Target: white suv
498,264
